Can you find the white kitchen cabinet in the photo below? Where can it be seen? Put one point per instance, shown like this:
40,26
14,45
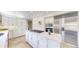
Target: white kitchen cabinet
4,39
53,44
49,19
42,43
31,38
27,37
35,40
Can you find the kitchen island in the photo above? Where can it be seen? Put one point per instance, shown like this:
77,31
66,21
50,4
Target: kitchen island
3,38
43,39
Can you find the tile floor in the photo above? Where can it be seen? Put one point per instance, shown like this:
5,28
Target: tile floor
20,43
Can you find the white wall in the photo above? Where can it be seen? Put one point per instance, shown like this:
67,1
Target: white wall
44,20
49,20
36,25
19,24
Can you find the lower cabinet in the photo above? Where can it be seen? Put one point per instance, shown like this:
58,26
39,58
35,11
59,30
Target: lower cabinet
4,41
38,41
35,40
53,44
42,42
27,37
30,38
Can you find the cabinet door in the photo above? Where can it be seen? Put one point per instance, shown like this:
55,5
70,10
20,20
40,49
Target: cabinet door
30,38
27,37
3,41
53,44
35,40
42,42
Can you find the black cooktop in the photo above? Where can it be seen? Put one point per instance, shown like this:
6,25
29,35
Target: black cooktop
38,31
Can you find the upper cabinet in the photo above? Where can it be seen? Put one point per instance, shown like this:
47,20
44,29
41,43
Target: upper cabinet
49,22
49,19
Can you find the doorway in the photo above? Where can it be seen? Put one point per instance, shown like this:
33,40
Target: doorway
29,25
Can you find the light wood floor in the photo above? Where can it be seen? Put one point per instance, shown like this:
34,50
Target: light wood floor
20,43
67,45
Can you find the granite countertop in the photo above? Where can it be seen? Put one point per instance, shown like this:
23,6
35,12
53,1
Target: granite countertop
54,36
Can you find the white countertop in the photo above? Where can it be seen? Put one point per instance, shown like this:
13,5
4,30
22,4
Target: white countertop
53,36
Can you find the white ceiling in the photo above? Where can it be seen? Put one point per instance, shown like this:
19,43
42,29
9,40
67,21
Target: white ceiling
30,14
33,14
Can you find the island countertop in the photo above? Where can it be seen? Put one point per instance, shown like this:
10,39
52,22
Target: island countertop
53,36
